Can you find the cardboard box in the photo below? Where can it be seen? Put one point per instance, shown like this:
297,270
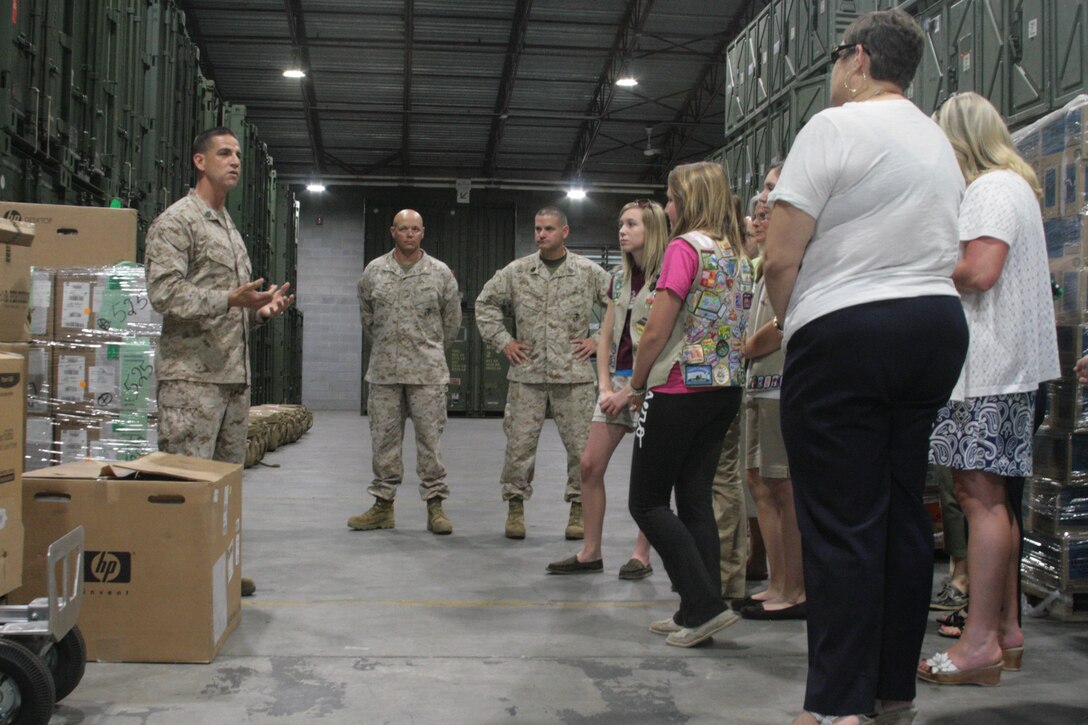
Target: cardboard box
1072,306
12,405
12,417
40,442
109,375
14,292
14,232
1066,242
162,560
1052,181
76,236
41,303
91,302
12,535
76,436
39,379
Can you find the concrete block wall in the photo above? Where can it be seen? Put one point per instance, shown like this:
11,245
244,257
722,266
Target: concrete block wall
330,262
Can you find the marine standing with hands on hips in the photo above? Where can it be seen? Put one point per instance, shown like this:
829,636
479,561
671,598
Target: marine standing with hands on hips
552,294
198,279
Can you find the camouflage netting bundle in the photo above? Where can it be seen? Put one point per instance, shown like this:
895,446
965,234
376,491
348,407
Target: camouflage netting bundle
271,426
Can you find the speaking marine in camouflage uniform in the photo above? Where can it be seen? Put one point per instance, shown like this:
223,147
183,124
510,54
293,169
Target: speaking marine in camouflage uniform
198,278
552,295
411,312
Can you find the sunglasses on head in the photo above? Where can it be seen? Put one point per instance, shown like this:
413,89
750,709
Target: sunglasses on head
643,203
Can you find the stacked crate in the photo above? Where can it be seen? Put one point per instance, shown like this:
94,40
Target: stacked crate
1055,559
91,390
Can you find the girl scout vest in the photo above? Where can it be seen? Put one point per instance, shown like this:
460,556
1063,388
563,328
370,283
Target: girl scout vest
622,302
709,333
764,373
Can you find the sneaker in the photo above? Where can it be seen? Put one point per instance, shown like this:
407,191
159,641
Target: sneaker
665,626
949,598
635,569
689,637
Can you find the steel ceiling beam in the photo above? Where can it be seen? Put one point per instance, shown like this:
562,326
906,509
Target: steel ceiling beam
623,47
297,25
193,26
406,120
702,96
506,85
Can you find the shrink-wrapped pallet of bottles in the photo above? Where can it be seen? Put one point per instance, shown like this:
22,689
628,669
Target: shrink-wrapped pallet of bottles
1055,561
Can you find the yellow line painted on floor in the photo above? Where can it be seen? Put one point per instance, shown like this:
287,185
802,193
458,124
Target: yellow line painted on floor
455,603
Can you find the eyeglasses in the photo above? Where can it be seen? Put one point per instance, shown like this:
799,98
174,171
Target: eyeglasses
643,203
844,49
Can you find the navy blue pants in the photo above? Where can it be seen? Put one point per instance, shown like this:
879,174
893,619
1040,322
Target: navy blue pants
861,389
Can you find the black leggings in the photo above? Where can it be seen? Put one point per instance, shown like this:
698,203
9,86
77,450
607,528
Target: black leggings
677,444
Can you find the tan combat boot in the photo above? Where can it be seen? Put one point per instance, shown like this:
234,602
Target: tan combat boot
575,524
380,516
437,523
515,519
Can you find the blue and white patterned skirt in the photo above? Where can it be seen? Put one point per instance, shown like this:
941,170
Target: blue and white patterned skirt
991,433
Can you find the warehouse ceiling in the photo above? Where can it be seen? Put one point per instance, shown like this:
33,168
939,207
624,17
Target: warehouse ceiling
502,92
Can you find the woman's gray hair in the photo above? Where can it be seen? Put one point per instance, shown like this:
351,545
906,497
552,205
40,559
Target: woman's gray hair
894,42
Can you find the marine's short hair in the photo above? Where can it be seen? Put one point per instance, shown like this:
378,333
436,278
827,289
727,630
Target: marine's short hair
555,212
204,139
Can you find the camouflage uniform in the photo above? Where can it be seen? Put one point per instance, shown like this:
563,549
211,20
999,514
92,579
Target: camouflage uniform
410,318
194,258
550,308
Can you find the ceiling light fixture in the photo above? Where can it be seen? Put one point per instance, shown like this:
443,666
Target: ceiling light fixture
627,81
294,73
315,187
576,193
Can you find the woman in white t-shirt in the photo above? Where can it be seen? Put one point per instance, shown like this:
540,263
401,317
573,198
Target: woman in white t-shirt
859,255
985,433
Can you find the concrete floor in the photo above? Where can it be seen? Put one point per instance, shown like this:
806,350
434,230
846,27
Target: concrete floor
405,627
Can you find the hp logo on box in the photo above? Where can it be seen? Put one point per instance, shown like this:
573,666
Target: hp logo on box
107,567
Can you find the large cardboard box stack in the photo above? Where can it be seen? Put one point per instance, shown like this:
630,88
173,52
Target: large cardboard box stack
88,241
1055,561
12,395
102,364
162,552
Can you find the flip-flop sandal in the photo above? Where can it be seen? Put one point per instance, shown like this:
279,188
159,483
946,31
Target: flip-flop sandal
950,631
956,618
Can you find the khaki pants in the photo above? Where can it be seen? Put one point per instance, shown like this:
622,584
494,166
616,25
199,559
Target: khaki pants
526,403
388,407
204,420
730,512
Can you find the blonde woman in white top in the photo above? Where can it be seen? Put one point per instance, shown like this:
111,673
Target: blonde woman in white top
985,433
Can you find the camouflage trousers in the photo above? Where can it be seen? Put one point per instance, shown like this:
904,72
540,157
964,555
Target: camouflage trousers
526,404
388,407
730,511
204,420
